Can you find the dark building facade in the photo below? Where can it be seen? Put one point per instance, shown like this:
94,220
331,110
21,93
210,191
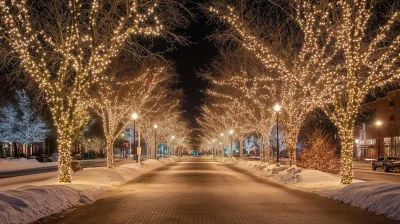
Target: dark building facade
377,129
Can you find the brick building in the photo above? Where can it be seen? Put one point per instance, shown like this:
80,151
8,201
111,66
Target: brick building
369,136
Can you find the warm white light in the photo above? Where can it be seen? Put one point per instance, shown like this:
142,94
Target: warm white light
213,140
134,116
378,123
173,137
277,108
357,141
155,126
230,132
222,134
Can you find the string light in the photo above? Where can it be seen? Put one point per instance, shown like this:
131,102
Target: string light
79,52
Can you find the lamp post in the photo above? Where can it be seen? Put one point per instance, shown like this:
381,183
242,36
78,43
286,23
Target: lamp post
222,146
134,117
230,133
378,124
277,108
173,144
139,149
155,140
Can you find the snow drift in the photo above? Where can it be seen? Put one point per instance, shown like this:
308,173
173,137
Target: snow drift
380,197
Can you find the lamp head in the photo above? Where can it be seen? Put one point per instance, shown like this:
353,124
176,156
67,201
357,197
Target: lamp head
155,126
378,123
134,116
277,107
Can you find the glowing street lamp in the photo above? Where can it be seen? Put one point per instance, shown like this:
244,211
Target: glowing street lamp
155,140
378,125
277,108
134,118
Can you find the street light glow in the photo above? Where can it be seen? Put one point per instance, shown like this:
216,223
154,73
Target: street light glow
173,137
230,132
277,108
134,116
378,123
155,126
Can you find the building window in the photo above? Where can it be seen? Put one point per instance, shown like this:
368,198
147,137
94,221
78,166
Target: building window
387,147
391,118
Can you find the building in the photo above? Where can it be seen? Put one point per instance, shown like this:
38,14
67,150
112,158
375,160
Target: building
377,130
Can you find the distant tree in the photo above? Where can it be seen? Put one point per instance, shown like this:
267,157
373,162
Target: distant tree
30,128
21,124
250,143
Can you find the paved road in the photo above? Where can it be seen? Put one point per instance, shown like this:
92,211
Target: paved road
363,171
46,169
200,190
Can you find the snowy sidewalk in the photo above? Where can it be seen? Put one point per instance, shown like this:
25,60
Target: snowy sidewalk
37,200
382,198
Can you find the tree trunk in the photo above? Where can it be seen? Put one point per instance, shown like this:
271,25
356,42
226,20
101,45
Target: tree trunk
290,140
64,157
346,170
110,154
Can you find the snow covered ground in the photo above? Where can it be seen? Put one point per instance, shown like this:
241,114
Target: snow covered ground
18,164
40,199
380,197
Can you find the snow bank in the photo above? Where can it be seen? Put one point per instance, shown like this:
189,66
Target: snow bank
30,203
379,197
13,164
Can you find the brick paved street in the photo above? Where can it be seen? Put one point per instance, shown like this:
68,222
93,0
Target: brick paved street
200,190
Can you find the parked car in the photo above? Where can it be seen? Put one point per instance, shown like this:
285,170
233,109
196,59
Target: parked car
387,163
44,158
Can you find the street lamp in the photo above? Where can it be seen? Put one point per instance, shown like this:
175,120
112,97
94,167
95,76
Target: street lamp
277,108
134,118
155,140
230,133
173,141
378,124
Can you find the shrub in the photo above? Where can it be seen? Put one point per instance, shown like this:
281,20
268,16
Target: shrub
319,154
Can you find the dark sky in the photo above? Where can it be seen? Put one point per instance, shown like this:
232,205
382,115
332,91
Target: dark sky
190,60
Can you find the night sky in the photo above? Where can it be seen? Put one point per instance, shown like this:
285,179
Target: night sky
189,60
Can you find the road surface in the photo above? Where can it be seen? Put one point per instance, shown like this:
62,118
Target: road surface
46,169
201,190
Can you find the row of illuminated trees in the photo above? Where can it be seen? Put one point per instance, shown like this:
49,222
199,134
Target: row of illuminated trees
303,55
69,52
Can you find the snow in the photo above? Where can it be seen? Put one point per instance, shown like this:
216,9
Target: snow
380,197
26,204
19,164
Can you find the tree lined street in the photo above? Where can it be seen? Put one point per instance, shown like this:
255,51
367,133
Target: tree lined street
201,190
